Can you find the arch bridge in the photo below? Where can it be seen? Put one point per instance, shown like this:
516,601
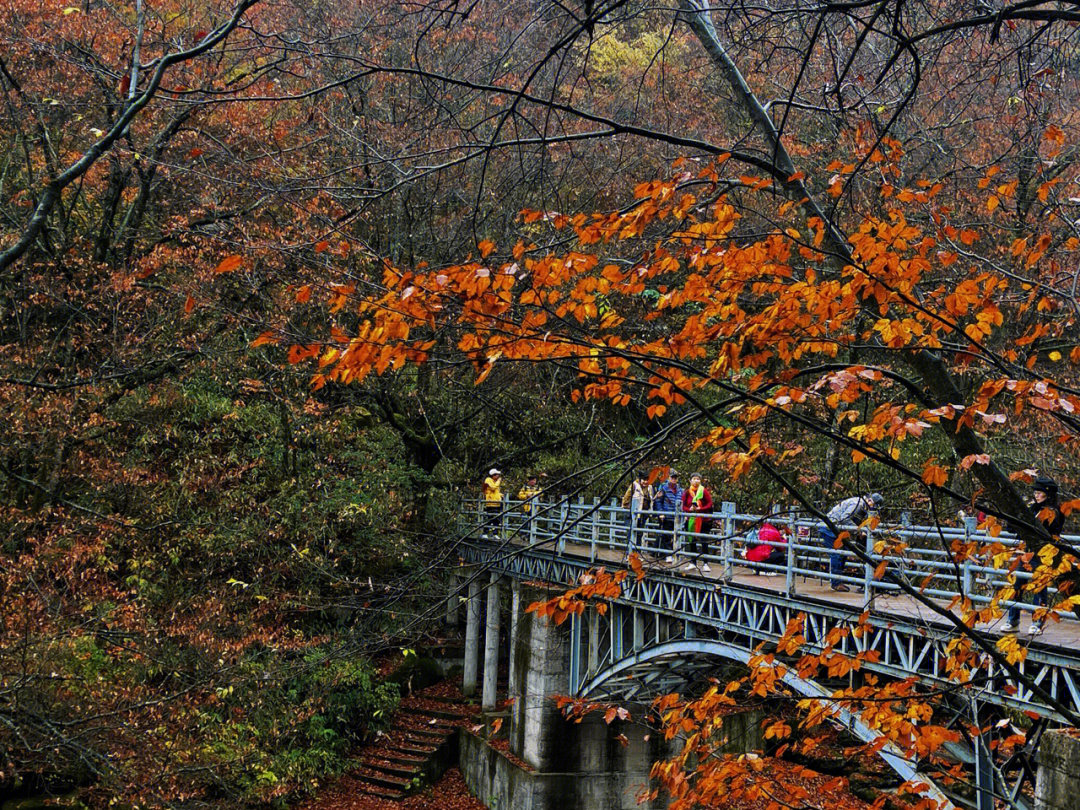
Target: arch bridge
671,630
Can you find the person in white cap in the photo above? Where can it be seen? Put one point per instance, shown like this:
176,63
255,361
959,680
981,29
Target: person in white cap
493,496
851,510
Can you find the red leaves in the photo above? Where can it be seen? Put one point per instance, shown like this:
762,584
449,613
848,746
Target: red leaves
978,458
229,264
616,713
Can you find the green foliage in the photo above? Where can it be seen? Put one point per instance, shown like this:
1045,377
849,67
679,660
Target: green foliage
267,737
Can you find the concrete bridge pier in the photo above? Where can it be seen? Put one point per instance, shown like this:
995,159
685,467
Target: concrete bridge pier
541,664
1057,783
515,609
472,635
582,765
491,645
453,599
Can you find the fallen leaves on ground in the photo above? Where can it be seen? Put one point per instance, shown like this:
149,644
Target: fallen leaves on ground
449,793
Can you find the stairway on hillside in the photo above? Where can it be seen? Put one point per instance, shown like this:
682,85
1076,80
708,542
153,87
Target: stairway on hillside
418,747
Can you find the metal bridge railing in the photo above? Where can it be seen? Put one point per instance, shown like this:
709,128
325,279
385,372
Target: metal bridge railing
927,562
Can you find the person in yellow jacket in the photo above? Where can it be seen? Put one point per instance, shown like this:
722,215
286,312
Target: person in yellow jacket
492,494
529,492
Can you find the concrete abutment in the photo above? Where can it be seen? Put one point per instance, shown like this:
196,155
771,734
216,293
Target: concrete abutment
1057,784
554,763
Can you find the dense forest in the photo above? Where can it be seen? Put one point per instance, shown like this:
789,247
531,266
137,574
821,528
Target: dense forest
279,282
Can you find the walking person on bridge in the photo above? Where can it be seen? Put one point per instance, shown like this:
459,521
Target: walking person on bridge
667,503
850,510
638,498
697,500
1046,510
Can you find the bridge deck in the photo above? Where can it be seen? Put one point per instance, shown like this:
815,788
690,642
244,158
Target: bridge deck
1063,635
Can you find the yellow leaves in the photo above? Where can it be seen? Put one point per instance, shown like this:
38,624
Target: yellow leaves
616,713
229,264
992,203
898,333
298,354
1068,507
655,411
1038,250
792,640
1009,646
486,248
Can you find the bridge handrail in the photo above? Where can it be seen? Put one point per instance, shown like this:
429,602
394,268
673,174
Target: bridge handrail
934,571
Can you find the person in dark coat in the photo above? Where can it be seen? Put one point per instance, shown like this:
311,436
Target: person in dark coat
667,502
1046,510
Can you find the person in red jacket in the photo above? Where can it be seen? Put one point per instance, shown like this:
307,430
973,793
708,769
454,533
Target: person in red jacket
763,553
696,501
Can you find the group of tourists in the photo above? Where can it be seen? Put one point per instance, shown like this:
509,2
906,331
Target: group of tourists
696,504
660,516
667,501
492,491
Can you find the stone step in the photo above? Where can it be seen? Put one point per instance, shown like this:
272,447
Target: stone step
368,774
436,713
456,701
394,755
415,749
434,733
384,765
376,792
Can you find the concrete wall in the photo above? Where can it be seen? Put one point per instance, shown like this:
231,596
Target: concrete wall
1057,784
501,785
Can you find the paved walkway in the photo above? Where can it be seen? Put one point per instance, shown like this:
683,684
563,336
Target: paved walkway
1063,634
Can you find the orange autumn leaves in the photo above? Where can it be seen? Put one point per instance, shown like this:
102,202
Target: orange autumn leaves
596,588
664,298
